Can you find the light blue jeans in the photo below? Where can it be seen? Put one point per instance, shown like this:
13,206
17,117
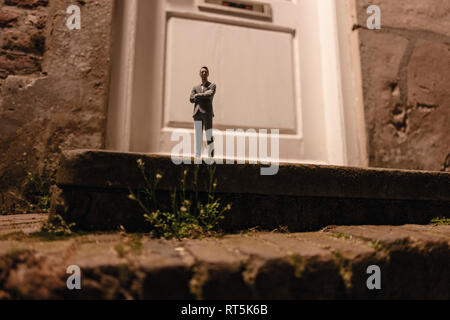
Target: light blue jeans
203,122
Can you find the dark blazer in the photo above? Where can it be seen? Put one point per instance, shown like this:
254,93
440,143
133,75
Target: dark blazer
203,101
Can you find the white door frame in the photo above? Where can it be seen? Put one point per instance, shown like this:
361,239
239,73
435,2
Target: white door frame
133,74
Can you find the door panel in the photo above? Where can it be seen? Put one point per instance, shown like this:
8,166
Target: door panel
253,62
278,69
253,70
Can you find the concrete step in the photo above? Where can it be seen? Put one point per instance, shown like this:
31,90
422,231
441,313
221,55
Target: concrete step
26,223
332,263
94,188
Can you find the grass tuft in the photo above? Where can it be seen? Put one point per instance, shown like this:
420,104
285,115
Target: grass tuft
189,216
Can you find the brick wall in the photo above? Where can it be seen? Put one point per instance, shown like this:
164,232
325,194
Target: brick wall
406,76
22,40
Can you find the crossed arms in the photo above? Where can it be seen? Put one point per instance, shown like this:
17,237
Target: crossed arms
208,94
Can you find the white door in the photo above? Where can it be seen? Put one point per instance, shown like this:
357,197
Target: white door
275,64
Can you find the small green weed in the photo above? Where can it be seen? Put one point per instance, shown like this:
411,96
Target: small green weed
376,245
130,243
440,221
55,228
37,191
189,216
341,235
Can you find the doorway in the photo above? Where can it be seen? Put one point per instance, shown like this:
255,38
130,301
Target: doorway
276,63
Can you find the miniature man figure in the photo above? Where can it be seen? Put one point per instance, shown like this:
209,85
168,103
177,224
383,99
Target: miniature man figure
202,97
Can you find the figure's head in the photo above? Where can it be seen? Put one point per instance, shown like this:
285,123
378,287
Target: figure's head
204,73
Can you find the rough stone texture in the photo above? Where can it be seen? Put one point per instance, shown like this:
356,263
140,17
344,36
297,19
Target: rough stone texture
107,169
25,42
405,68
27,3
53,87
19,64
329,264
427,257
415,15
27,224
8,18
94,188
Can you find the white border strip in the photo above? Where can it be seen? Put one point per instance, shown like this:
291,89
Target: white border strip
331,80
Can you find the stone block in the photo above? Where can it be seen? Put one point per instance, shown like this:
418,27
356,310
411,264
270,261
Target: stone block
27,3
381,58
404,83
29,42
19,64
329,264
22,223
425,251
36,19
95,186
8,18
428,76
414,15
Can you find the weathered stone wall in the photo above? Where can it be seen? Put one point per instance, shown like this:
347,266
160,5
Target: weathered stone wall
406,76
53,87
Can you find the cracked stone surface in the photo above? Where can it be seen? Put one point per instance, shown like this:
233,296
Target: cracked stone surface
328,264
405,67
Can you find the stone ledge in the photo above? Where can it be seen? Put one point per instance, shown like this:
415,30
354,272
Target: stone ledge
94,188
329,264
26,223
108,169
